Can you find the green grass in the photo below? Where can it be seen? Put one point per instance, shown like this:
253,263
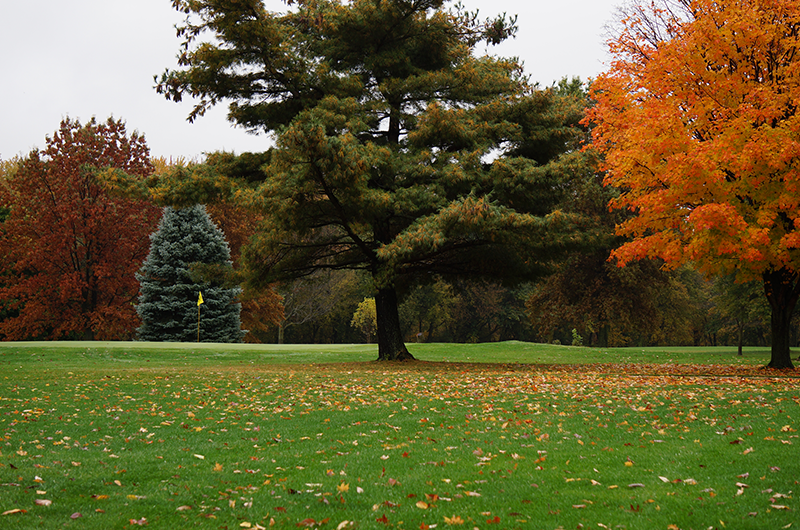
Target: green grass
171,354
512,435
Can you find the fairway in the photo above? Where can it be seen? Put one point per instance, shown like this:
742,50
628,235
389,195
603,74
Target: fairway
512,435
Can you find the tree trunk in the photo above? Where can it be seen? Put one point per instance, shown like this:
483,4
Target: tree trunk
740,335
782,289
281,330
390,339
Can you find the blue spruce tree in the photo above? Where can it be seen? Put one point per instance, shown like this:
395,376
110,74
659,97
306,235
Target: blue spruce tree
168,303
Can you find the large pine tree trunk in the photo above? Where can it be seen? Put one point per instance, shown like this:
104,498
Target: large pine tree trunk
390,339
782,289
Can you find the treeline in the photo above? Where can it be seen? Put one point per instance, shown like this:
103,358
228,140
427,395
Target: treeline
649,307
72,249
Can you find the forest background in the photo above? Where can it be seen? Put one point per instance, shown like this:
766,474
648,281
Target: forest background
585,300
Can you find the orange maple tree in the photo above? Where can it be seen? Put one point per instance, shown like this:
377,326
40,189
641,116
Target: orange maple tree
70,250
697,118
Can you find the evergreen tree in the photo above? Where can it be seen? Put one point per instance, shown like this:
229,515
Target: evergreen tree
169,302
398,150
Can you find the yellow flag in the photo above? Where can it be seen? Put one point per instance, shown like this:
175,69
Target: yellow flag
200,299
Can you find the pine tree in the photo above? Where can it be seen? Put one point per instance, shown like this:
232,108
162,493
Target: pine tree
399,151
168,304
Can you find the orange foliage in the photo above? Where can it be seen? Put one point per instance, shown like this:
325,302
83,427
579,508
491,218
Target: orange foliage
70,251
697,118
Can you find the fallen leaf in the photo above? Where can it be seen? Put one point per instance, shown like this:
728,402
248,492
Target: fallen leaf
42,502
76,515
217,467
422,505
15,510
779,507
201,457
455,520
183,508
139,522
341,488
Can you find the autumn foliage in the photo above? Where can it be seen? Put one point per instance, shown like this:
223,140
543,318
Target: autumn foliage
697,118
69,249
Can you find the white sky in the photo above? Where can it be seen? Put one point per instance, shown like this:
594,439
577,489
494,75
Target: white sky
84,58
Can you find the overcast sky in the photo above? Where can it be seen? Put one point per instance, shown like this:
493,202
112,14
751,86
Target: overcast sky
84,58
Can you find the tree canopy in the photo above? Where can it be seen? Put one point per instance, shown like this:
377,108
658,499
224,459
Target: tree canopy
698,121
70,249
398,150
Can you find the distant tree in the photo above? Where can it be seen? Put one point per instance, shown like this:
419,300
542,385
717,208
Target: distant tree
365,319
70,250
169,303
399,151
697,119
486,311
312,298
739,306
427,309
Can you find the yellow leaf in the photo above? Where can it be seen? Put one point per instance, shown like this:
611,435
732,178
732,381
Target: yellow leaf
422,505
341,488
455,520
217,467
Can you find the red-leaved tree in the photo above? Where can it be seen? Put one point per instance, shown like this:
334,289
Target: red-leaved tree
70,250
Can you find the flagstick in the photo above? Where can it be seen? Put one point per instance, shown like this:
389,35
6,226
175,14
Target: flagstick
199,303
